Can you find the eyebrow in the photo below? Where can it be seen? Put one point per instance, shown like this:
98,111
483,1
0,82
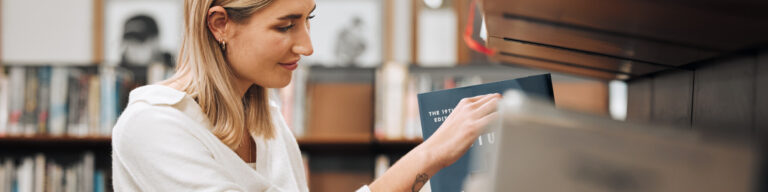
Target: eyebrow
296,16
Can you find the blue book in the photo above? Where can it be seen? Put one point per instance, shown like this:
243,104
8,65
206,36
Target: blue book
434,108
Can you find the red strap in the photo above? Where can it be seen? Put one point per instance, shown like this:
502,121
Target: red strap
471,43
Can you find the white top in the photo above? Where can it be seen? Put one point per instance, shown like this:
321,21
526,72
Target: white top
162,142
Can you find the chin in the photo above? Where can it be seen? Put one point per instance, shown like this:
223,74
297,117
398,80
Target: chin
276,84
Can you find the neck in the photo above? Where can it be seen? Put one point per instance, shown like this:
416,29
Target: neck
242,86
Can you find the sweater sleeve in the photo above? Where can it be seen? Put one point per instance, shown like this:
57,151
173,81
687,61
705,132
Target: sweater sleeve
159,154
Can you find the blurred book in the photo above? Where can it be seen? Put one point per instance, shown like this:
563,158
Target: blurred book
4,92
382,165
389,93
43,99
435,107
57,121
41,172
541,148
29,115
62,101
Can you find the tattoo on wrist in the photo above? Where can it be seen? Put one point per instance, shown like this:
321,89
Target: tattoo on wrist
421,179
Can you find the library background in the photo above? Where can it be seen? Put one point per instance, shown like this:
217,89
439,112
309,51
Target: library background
67,67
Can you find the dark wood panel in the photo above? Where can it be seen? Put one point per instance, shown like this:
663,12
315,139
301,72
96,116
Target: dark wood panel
548,65
761,101
724,95
606,45
572,58
680,23
639,95
672,98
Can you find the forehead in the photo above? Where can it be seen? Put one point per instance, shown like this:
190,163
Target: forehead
279,8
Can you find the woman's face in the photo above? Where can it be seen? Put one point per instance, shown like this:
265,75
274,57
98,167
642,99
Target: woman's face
265,48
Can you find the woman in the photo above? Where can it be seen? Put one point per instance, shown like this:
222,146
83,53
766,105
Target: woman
213,127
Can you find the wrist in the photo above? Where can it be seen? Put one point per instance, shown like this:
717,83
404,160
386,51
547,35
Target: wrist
430,157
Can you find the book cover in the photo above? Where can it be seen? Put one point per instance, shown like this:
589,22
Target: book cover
434,108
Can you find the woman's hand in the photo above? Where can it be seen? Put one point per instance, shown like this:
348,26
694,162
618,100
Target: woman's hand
461,129
444,147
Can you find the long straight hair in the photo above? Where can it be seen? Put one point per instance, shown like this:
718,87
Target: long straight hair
206,76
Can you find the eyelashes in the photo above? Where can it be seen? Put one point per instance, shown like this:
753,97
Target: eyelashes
289,27
286,28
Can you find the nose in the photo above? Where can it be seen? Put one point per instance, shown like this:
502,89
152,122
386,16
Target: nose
303,45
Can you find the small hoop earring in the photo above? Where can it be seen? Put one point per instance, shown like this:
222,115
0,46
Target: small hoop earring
224,45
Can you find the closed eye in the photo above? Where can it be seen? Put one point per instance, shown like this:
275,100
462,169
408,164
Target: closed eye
286,28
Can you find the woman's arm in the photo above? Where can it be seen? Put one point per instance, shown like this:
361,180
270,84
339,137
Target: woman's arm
446,146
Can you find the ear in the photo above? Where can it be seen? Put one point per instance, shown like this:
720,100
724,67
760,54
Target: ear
217,22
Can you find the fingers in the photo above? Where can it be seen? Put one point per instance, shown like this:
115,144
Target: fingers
474,99
484,100
489,106
485,120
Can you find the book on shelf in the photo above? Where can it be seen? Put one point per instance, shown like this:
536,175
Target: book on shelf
4,94
29,117
436,106
58,101
40,172
16,103
57,120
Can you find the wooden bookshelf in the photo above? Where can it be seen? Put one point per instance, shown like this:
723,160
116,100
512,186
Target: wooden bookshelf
46,141
399,141
356,145
353,140
55,139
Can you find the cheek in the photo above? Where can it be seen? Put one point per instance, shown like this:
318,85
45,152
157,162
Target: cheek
256,58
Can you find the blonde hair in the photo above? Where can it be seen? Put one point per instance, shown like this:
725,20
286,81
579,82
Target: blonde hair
206,76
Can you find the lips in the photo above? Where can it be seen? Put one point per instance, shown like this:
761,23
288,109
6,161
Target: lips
290,65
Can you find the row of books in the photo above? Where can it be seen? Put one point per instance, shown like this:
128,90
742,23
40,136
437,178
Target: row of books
57,101
396,85
40,173
395,107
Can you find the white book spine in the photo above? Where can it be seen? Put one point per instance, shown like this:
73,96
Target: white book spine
4,92
2,178
382,164
70,179
58,107
25,175
16,105
108,101
299,104
10,173
39,178
394,90
88,169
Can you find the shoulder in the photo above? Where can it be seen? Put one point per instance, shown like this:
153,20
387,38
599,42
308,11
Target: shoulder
151,113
